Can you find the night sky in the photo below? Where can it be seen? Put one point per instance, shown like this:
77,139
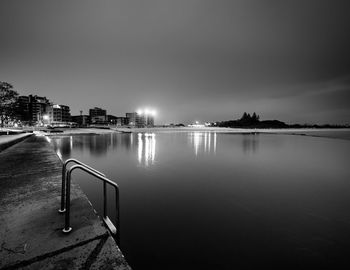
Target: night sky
190,60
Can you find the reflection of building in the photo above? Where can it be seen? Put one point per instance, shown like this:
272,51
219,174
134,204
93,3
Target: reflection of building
66,146
98,116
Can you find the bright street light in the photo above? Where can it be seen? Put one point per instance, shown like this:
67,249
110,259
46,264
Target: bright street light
147,112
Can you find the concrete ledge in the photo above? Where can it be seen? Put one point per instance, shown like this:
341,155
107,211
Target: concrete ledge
31,234
9,140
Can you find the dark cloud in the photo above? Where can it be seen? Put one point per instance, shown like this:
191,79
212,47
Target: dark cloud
191,59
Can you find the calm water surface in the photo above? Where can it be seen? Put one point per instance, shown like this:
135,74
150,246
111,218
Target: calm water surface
222,201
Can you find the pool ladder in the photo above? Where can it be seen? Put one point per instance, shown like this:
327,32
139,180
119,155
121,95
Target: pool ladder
65,196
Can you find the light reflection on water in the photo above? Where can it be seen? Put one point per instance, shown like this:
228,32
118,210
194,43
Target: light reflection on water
203,142
223,200
146,148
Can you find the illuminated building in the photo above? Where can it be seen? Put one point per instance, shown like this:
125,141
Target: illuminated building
145,117
131,119
58,114
37,108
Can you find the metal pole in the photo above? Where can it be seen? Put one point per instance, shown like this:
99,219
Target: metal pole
64,177
63,190
104,199
105,180
117,214
67,228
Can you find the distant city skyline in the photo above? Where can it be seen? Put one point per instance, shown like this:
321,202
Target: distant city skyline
189,60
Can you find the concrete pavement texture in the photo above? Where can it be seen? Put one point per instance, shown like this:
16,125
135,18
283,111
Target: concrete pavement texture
31,234
9,140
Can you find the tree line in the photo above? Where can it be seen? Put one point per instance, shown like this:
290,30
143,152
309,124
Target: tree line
253,121
8,100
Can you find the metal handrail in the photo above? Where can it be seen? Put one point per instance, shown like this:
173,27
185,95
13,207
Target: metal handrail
63,190
114,230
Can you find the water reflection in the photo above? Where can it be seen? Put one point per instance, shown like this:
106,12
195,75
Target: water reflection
250,143
71,142
239,184
146,148
203,141
96,145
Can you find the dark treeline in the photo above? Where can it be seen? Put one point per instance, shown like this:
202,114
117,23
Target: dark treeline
253,121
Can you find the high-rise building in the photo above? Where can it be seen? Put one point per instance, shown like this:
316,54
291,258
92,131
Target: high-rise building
132,119
37,108
66,117
140,119
58,114
122,121
98,116
22,109
34,109
150,120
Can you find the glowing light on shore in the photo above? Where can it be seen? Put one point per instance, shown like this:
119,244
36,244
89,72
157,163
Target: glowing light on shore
146,112
196,124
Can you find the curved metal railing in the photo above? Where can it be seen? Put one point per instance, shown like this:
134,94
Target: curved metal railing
64,172
66,184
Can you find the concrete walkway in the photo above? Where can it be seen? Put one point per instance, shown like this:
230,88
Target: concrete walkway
8,140
31,234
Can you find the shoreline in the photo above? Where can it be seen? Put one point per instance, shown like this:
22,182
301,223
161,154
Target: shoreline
335,133
341,133
227,130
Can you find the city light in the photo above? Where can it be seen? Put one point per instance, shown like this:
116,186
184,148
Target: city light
147,111
45,117
196,124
